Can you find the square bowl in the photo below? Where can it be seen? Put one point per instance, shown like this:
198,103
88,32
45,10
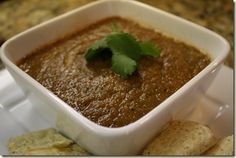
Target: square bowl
129,139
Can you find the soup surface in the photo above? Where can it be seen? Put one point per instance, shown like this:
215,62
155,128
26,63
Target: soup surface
98,93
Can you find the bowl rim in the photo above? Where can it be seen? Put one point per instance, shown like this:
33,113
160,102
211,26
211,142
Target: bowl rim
102,130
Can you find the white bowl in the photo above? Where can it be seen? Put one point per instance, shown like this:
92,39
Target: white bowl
130,139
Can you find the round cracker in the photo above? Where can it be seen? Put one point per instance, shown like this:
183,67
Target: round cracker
181,138
223,147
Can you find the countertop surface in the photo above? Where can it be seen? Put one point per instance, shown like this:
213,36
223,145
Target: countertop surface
216,15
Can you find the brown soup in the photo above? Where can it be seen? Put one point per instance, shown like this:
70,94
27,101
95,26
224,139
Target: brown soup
101,95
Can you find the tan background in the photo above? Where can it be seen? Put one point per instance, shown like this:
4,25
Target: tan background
19,15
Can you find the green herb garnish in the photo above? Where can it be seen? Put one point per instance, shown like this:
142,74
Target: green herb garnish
126,51
114,27
149,49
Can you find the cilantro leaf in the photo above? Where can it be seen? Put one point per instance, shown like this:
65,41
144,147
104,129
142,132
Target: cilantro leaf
123,65
114,27
125,51
149,49
95,49
123,43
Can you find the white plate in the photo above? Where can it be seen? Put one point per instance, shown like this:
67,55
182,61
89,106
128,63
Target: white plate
215,108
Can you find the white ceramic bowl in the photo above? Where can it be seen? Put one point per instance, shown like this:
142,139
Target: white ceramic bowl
132,138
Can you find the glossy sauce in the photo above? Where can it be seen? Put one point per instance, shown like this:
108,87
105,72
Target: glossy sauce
95,91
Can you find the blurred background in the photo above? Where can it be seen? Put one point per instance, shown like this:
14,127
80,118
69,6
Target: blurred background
19,15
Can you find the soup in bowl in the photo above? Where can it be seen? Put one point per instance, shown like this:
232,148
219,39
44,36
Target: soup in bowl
88,100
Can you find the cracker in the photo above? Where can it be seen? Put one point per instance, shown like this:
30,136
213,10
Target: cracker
181,138
223,147
47,138
73,149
